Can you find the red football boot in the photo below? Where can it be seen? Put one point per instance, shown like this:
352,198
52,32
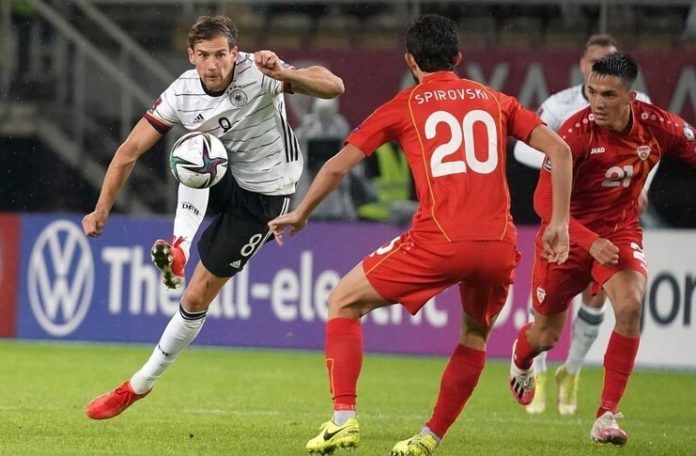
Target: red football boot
170,259
113,403
521,381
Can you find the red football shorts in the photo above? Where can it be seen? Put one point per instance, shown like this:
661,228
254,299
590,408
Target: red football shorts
554,286
411,273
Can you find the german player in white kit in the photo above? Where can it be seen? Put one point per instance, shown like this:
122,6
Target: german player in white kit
237,97
554,111
249,117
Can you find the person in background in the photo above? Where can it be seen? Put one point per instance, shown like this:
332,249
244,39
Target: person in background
320,134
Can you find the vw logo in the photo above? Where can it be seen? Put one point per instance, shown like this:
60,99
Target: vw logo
60,278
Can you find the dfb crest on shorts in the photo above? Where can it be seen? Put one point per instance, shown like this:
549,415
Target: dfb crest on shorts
643,152
238,98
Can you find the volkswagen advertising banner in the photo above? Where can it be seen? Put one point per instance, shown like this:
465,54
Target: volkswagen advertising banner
106,289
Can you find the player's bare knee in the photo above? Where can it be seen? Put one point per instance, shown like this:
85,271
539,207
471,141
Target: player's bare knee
473,331
475,339
341,305
192,301
628,303
628,315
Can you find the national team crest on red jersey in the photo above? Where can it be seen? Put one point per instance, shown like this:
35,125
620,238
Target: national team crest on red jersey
643,152
688,133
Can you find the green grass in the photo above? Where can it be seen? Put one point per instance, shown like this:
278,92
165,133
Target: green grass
248,402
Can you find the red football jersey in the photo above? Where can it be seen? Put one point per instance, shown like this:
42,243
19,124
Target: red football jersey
453,132
610,169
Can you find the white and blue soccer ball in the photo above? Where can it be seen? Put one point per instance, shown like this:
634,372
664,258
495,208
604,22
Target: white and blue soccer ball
198,160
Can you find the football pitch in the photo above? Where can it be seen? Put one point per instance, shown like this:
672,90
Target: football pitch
253,402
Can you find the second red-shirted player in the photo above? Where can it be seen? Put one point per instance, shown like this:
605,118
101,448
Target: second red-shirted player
614,143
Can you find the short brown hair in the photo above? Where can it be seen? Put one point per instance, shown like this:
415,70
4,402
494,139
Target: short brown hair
210,27
602,40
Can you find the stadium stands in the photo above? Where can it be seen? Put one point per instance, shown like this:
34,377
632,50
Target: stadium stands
369,24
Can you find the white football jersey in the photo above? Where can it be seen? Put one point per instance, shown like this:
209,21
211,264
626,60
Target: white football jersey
249,118
553,112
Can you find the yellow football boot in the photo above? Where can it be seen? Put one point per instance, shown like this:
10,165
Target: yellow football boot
418,445
332,436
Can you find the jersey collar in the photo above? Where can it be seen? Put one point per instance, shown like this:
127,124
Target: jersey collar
439,76
633,118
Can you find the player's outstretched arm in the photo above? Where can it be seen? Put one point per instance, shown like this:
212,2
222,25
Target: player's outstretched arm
555,237
293,219
326,180
316,81
141,138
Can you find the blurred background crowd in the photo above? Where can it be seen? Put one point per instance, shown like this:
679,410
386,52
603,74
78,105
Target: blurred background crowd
75,75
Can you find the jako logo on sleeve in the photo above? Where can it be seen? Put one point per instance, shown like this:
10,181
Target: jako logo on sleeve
60,278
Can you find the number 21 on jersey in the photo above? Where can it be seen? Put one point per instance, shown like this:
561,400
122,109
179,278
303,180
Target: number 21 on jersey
616,176
462,134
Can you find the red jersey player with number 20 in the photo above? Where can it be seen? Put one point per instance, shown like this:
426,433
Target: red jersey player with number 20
615,143
453,132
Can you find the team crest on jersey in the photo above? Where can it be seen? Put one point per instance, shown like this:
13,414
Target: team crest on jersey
643,152
238,98
688,132
541,294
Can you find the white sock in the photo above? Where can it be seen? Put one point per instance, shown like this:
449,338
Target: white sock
425,430
179,333
190,211
539,363
585,331
341,416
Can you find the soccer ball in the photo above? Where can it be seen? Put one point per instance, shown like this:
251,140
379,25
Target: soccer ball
198,160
